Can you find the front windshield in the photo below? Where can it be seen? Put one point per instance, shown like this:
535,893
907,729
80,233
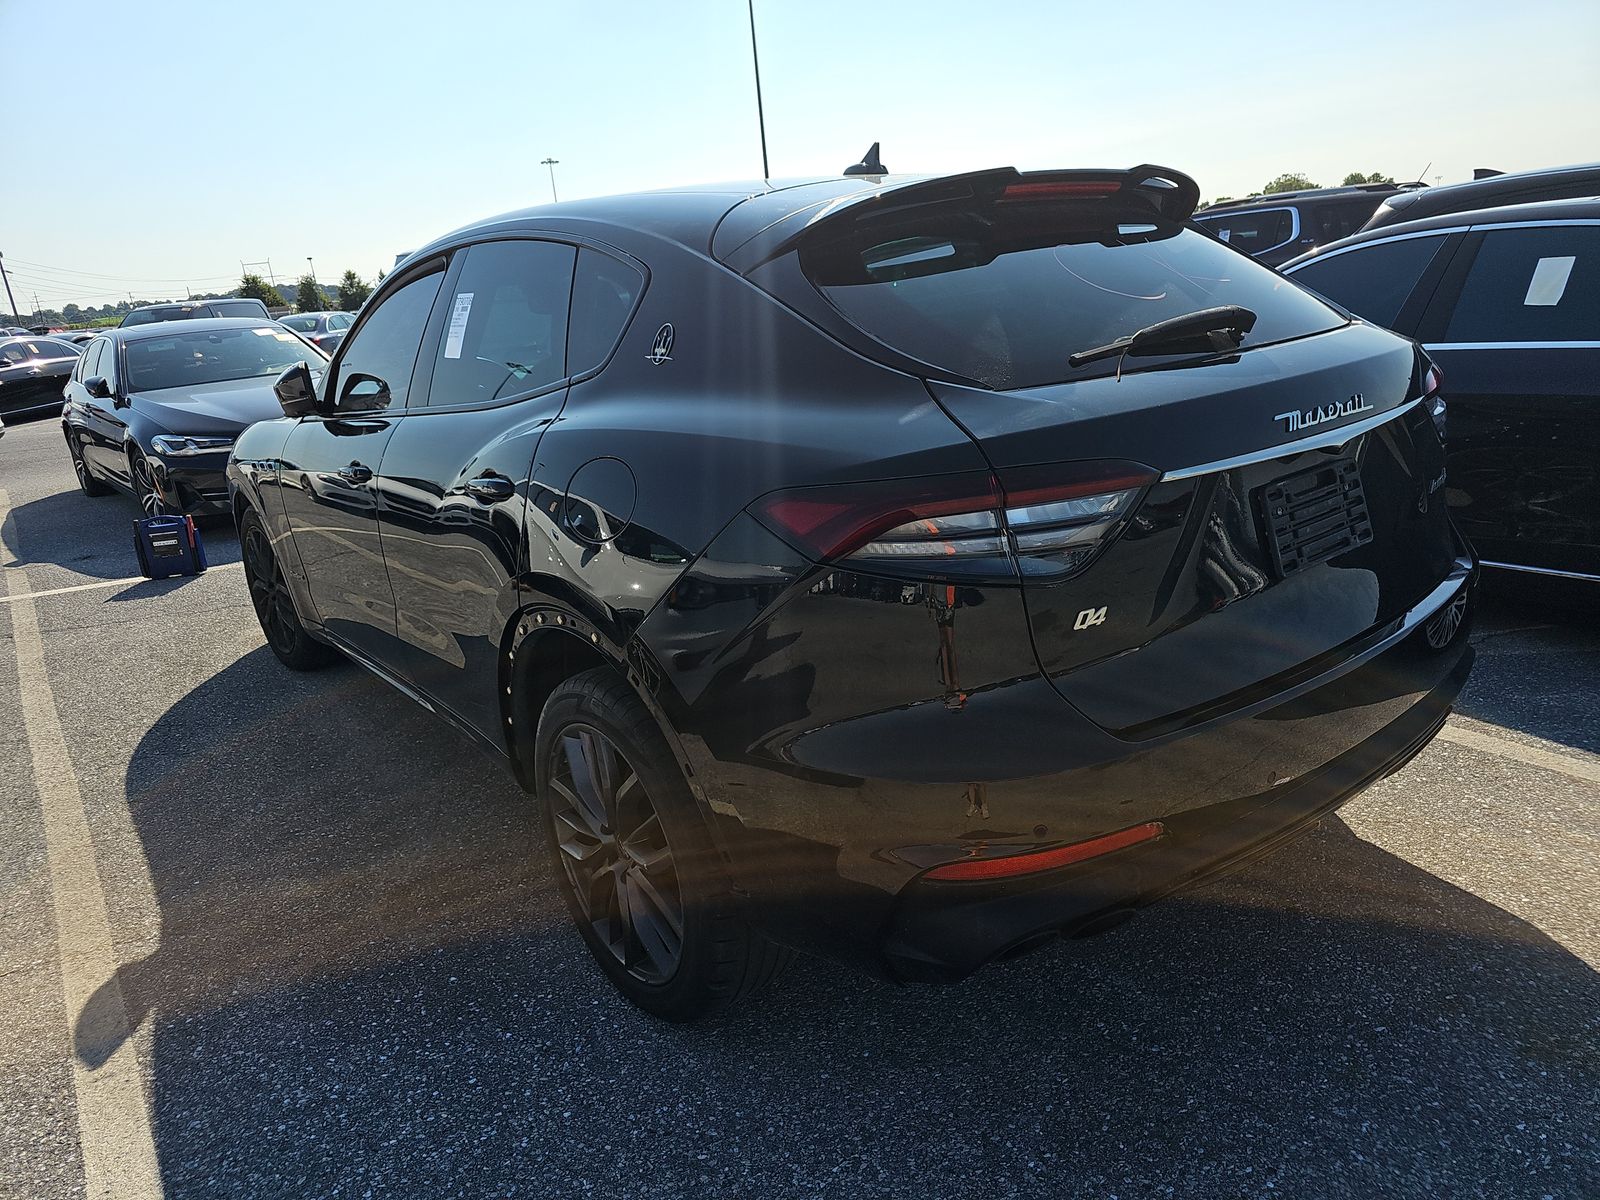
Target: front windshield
188,359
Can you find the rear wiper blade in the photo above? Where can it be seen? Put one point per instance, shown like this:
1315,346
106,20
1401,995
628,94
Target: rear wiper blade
1223,328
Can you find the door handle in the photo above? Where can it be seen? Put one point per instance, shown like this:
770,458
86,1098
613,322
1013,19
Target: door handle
355,473
491,489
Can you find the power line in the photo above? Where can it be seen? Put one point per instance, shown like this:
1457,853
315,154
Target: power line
120,278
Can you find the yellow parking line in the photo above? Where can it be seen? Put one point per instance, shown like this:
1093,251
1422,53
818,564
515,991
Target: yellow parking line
13,597
119,1154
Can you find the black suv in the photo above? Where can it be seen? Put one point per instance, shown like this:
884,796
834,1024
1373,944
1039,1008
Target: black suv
1273,229
195,310
906,570
1493,190
1507,300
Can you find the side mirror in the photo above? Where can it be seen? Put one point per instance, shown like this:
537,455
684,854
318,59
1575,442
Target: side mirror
97,387
296,392
363,393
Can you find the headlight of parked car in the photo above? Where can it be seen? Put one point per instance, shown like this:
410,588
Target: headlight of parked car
187,447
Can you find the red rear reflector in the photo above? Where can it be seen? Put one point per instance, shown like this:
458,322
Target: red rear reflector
1047,190
1045,860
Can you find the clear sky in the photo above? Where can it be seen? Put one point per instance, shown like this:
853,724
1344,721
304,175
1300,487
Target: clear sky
156,144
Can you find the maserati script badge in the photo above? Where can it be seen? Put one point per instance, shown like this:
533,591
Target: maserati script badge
1328,412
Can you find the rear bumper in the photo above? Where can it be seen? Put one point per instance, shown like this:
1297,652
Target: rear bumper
942,932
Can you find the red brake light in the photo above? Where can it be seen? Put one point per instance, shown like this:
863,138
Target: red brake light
1012,865
1056,516
1045,189
836,521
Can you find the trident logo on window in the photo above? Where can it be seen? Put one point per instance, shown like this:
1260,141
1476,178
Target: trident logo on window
1090,616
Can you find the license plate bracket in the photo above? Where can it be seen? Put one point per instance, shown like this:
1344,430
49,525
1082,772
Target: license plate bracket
1314,515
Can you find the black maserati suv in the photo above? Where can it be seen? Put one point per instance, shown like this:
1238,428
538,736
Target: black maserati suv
904,570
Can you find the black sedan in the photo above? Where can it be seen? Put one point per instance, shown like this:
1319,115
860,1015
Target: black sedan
1507,300
904,570
154,409
33,371
324,330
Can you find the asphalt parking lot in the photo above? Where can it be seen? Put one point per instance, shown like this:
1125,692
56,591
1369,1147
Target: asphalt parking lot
265,934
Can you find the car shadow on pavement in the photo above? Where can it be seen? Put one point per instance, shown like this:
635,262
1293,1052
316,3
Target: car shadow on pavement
93,536
1538,673
365,985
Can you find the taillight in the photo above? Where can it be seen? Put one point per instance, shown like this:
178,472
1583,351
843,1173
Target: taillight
1032,520
1432,396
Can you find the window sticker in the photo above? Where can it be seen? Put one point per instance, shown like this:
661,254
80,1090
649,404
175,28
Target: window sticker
1549,281
458,325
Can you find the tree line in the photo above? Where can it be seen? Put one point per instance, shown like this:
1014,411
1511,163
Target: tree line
1294,181
349,294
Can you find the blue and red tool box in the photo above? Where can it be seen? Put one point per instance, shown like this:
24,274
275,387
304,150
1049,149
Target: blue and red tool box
168,546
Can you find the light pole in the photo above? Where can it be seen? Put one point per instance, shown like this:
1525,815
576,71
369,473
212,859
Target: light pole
551,163
311,269
14,313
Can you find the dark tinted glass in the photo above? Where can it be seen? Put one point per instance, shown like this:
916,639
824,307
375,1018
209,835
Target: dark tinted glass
13,353
961,297
187,357
1335,219
145,317
506,330
1531,285
604,291
299,324
89,367
1372,281
51,348
238,308
1252,232
379,359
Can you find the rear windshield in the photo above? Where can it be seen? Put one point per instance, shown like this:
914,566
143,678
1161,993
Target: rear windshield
299,324
239,308
214,356
148,316
1003,295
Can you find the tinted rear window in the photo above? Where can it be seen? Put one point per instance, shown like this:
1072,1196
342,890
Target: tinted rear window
1004,295
299,324
239,308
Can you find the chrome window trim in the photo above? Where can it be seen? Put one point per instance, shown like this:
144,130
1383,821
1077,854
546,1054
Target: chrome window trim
1445,231
1294,226
1541,571
1316,441
1512,346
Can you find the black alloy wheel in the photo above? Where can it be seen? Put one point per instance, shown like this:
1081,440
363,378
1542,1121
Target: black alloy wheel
274,603
145,487
636,863
615,854
87,483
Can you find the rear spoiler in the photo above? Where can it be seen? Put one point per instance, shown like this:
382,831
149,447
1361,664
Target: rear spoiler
1167,194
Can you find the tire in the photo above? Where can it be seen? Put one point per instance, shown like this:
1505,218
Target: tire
274,603
87,483
643,857
151,501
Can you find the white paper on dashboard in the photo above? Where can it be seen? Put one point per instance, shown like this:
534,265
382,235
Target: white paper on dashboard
1549,281
458,325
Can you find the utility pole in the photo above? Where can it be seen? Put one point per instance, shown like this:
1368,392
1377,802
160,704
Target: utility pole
551,163
761,119
15,315
311,269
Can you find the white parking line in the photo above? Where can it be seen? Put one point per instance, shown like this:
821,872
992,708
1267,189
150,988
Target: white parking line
1584,770
13,597
119,1154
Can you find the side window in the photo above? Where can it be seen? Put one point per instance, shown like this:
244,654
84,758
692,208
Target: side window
505,332
1531,285
1372,281
1253,232
339,321
106,364
13,354
604,291
378,360
88,365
